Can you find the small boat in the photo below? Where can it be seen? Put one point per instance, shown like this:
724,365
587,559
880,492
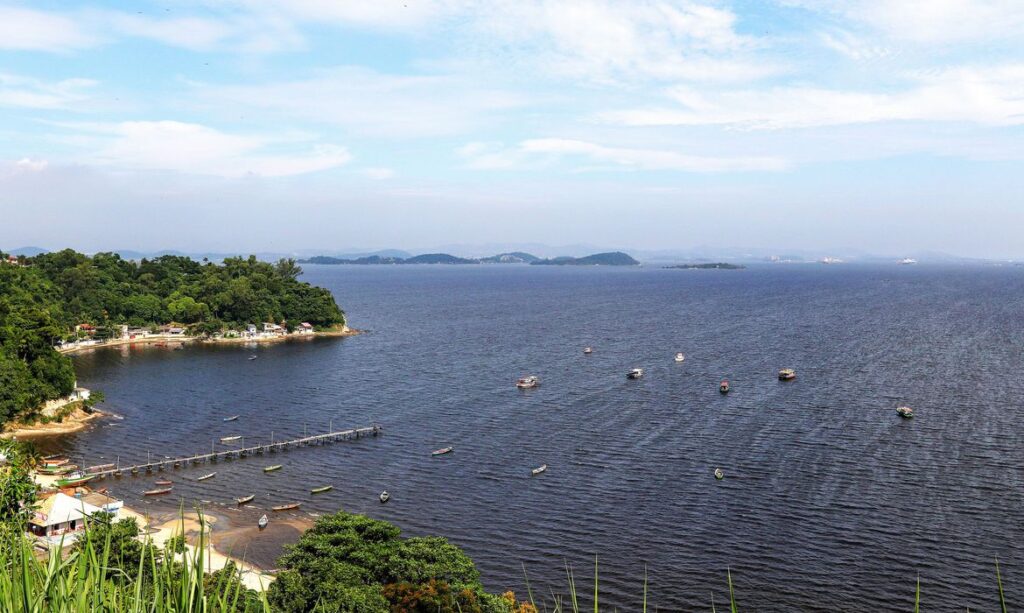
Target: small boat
787,374
75,479
55,460
680,357
539,470
205,477
245,499
588,350
63,469
229,439
384,496
636,373
157,492
719,474
905,412
270,469
527,382
286,507
262,523
442,451
163,482
723,387
253,357
321,489
232,418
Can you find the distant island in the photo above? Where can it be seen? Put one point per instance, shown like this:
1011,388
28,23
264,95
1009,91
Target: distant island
616,258
709,265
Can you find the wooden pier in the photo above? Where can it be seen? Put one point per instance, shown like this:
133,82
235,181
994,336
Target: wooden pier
232,453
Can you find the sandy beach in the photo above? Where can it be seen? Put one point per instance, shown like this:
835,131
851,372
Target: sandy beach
178,339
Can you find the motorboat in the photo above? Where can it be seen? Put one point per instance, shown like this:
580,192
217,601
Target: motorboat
263,521
636,373
680,357
232,418
528,382
905,412
588,350
723,387
229,439
443,450
157,492
719,474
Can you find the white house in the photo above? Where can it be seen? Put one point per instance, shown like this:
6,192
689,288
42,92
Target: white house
272,328
61,516
304,328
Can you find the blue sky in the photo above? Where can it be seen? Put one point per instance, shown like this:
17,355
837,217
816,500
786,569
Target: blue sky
890,126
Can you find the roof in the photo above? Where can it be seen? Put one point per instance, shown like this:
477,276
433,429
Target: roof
61,508
100,500
306,324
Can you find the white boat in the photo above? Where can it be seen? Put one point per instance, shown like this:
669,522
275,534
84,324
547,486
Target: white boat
205,477
905,412
527,382
636,373
588,350
229,439
680,357
539,469
384,496
719,474
253,357
262,523
907,261
232,418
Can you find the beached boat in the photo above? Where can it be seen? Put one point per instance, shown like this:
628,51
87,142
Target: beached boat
588,350
286,507
636,373
787,374
262,523
163,482
680,357
719,474
75,479
229,439
55,460
157,492
724,386
270,469
321,489
527,382
539,470
232,418
384,496
205,477
905,412
442,451
245,499
63,469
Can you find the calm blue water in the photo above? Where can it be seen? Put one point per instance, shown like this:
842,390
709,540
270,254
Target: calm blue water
830,501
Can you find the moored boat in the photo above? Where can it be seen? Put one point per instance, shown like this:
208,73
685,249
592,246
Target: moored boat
157,492
588,350
263,521
680,357
229,439
787,374
384,496
163,482
75,479
527,382
443,450
270,469
232,418
321,489
245,499
719,474
539,470
208,476
253,357
62,469
723,387
636,373
905,412
286,507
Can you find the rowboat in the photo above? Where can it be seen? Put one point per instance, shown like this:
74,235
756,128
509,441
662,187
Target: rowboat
719,474
55,460
229,439
205,477
442,451
262,523
384,496
724,386
680,357
245,499
588,350
286,507
157,492
270,469
787,374
253,357
636,373
163,482
905,412
528,382
321,489
232,418
75,479
62,469
539,470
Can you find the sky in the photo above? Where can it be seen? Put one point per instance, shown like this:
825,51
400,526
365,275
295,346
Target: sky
885,126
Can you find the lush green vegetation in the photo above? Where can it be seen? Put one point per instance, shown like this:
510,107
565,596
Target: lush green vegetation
613,258
46,296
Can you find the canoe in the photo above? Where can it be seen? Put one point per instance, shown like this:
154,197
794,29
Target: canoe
269,469
442,451
205,477
286,507
164,490
245,499
229,439
232,418
253,357
163,482
321,490
539,469
262,523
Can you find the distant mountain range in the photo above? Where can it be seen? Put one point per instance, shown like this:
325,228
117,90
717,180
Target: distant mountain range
615,258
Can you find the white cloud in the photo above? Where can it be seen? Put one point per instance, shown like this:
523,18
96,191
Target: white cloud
30,165
378,174
491,156
197,149
25,29
989,96
27,92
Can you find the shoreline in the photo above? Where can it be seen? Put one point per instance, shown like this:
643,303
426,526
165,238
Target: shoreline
78,420
179,339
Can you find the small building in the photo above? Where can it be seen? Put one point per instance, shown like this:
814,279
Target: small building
61,516
304,328
108,504
251,330
272,328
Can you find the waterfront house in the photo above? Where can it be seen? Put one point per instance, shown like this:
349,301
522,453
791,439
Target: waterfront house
251,331
60,516
304,328
272,329
172,329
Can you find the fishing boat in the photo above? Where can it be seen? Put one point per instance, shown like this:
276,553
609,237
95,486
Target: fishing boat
539,470
163,482
787,374
442,451
723,387
270,469
384,496
321,489
262,523
286,507
680,357
75,479
232,418
229,439
63,469
905,412
245,499
527,382
588,350
636,373
205,477
719,474
253,357
157,492
55,460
